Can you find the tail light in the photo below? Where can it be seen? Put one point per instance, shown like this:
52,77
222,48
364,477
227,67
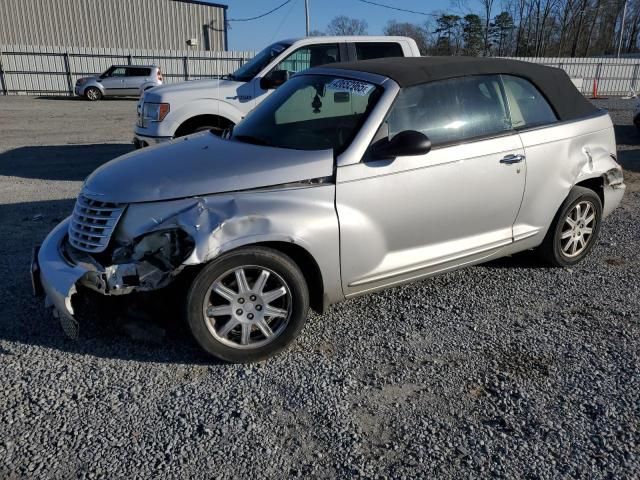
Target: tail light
159,75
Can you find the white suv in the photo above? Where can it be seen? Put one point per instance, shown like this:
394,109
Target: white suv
184,108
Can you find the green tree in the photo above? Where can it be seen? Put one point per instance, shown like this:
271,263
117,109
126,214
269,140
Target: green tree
447,26
472,35
500,31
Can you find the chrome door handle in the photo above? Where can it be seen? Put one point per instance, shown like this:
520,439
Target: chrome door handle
512,158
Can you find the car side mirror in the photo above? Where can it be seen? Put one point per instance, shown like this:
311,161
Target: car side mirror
405,144
274,79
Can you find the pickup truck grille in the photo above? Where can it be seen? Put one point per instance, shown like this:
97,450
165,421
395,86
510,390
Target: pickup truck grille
93,223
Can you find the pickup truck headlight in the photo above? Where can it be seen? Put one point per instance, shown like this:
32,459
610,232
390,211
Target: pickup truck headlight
155,111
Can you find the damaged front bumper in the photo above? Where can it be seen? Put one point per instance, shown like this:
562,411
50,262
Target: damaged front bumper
58,269
57,276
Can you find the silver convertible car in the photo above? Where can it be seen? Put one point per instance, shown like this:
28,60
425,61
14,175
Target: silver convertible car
346,180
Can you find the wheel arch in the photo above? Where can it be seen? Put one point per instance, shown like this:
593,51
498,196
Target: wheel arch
297,253
593,183
309,268
188,125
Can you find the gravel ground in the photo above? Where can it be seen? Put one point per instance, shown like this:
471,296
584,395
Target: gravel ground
508,369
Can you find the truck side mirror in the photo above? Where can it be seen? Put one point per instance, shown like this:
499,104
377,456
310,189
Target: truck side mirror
274,79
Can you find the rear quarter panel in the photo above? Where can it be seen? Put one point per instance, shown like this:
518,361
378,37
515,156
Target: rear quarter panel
558,157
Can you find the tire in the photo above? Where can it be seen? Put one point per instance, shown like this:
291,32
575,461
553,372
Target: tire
222,307
217,131
93,94
580,237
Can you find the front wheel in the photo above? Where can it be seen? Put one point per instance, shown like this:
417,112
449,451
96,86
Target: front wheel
247,305
574,230
93,94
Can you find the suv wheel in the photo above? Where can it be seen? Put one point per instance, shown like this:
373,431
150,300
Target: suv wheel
574,230
93,94
248,304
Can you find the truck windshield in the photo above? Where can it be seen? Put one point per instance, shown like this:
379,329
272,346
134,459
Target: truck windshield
250,69
310,112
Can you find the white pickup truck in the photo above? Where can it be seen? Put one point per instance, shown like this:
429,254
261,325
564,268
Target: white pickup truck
176,110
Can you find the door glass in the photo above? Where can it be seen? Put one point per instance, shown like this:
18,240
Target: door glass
119,72
311,56
450,111
138,72
365,51
527,105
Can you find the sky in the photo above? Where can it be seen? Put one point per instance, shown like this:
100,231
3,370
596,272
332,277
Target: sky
289,21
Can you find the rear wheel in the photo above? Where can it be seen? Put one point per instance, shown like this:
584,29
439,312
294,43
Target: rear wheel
248,304
93,94
574,230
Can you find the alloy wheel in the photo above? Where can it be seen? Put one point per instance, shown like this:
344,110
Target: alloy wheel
92,94
247,307
578,228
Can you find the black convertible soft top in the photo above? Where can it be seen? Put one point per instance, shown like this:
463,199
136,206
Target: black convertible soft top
554,83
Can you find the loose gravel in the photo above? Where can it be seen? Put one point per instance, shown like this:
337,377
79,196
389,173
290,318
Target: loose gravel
509,369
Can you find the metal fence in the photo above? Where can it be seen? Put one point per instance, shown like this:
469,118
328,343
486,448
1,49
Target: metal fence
54,70
603,76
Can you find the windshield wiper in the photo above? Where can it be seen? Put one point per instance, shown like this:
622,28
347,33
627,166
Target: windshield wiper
253,140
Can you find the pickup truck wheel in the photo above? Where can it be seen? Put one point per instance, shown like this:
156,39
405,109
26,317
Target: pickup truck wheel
93,94
215,130
574,230
247,305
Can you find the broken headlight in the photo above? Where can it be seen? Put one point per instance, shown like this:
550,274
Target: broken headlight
165,249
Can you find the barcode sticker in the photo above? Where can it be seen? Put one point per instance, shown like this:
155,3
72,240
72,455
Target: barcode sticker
357,88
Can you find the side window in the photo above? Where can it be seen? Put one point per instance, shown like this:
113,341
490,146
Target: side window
527,105
367,50
118,72
451,111
139,72
311,56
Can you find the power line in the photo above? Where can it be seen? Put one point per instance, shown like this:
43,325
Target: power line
398,9
259,16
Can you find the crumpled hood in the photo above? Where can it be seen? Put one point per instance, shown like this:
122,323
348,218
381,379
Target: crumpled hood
192,89
202,164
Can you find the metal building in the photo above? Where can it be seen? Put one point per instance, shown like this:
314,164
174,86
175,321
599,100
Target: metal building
140,24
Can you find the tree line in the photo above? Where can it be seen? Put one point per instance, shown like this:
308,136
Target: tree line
522,28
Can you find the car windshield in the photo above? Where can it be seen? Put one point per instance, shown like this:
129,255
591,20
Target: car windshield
250,69
310,112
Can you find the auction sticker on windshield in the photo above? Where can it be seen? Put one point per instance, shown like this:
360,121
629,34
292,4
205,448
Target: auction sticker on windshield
353,86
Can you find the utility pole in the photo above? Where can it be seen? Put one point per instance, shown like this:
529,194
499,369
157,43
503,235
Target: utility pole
306,14
624,14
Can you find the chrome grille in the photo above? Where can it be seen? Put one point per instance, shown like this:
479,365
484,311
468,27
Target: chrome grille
92,223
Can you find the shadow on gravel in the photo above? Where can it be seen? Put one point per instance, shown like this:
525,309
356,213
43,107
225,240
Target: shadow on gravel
627,135
59,162
629,159
149,328
527,259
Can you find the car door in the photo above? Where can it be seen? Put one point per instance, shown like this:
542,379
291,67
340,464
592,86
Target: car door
300,59
136,76
412,216
114,81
